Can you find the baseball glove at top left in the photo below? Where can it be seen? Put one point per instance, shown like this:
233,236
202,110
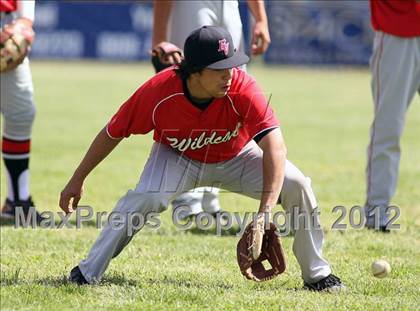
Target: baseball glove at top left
15,42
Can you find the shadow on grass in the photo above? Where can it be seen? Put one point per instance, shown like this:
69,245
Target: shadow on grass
233,231
122,280
7,222
13,278
118,279
186,283
73,224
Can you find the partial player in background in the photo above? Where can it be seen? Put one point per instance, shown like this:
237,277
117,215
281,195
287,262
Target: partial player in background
172,23
395,67
17,105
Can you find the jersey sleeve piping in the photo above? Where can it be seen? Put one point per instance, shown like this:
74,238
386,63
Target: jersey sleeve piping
233,106
110,136
166,98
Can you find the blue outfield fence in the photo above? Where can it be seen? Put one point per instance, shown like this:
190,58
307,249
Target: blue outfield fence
319,32
112,30
302,32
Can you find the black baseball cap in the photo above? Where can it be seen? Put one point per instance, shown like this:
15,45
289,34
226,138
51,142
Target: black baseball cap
212,47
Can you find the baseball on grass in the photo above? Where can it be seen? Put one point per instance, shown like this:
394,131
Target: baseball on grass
381,268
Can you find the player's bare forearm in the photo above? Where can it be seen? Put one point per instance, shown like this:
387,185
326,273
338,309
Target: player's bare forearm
274,160
257,9
101,146
161,13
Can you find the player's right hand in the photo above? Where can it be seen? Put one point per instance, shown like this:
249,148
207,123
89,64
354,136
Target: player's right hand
260,38
70,196
165,54
258,230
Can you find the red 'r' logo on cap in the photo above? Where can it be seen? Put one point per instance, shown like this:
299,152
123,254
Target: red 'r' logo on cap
223,46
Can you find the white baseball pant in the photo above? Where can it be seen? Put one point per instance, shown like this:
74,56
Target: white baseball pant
17,106
167,174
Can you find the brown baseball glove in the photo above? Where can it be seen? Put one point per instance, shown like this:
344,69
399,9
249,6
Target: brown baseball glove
15,43
271,250
164,55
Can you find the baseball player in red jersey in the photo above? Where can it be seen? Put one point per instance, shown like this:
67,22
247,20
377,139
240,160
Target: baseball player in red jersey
212,125
395,67
18,110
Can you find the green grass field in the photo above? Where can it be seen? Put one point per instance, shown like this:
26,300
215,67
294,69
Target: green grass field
325,117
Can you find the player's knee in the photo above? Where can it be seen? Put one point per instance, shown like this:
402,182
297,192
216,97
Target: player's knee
296,189
296,183
21,117
143,203
155,202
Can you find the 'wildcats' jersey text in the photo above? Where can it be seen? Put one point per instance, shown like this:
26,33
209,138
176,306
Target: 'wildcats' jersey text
215,134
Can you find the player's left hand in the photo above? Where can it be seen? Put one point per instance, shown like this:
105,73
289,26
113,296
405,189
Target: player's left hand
270,250
260,38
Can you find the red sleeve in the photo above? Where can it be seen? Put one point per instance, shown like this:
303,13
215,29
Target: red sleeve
255,110
8,5
135,115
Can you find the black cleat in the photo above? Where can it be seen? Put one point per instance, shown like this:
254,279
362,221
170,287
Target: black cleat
383,229
77,277
331,284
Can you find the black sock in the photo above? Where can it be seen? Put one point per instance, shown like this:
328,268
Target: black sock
15,167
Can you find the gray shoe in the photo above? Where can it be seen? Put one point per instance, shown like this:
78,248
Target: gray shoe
8,212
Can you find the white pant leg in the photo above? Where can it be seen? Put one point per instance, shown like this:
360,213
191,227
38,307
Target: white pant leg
210,201
198,200
395,67
307,245
187,16
190,202
165,175
17,105
244,175
232,22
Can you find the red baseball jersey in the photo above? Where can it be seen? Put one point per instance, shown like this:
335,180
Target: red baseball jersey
8,5
215,134
396,17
